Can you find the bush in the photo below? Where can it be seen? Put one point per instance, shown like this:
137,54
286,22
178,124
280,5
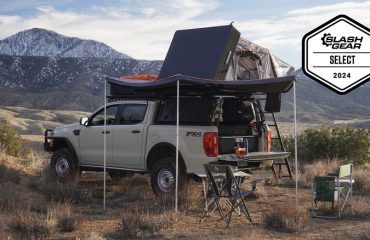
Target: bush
9,139
62,215
331,143
284,217
31,225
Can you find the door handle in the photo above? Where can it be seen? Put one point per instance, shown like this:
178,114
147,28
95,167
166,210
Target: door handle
135,131
106,132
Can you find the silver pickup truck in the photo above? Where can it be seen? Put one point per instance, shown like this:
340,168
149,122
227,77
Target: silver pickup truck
141,138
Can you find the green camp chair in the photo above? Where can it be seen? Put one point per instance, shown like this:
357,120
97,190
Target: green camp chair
336,187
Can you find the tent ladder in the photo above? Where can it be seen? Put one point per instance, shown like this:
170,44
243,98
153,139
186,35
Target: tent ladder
283,162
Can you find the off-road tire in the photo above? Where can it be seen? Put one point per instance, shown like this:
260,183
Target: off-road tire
63,166
163,177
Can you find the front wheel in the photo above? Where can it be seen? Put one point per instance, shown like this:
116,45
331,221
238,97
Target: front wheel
63,165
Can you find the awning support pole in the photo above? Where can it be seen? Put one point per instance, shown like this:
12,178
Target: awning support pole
105,139
177,142
295,145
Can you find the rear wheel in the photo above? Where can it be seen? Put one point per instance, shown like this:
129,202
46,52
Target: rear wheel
163,177
64,165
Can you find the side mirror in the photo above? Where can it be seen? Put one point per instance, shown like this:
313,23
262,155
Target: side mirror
84,121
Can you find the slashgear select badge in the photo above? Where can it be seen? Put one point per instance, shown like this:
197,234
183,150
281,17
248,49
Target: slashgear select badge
337,54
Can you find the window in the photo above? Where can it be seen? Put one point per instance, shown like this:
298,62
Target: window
98,118
132,114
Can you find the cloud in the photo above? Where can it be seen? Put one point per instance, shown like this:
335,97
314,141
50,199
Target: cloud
144,28
143,31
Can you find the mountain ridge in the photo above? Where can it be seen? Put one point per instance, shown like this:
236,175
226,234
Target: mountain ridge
47,43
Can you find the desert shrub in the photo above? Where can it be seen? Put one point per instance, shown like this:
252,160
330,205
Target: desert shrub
63,217
331,143
9,139
136,222
31,225
285,217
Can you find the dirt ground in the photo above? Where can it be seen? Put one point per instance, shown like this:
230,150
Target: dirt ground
186,225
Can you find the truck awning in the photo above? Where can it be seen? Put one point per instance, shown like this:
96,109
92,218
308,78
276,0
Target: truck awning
192,86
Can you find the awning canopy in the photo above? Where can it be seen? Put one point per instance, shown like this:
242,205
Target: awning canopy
191,86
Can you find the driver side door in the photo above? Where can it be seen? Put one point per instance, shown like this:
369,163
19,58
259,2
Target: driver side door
92,137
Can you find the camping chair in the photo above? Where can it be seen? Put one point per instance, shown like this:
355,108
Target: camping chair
225,185
336,187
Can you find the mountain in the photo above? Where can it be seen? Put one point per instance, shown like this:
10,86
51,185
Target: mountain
62,83
41,42
318,104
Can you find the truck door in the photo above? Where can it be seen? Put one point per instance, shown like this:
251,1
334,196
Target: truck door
128,136
92,137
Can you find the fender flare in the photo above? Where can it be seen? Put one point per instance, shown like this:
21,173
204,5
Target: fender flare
159,150
59,142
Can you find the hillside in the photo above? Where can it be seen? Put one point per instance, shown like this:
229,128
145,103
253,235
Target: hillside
62,83
42,42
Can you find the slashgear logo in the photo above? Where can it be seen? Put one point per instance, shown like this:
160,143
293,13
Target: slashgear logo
351,42
337,54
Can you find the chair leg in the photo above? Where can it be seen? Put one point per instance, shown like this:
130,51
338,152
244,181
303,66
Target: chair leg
245,211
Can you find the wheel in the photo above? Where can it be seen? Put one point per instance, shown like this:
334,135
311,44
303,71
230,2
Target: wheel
117,176
64,165
163,177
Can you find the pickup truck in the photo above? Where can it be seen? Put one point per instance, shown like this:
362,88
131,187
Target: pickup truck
141,138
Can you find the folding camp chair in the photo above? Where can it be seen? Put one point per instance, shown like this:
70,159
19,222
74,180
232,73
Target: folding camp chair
225,185
336,187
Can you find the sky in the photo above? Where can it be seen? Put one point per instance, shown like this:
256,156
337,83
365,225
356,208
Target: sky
144,29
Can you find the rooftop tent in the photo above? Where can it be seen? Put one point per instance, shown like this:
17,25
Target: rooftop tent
251,61
201,52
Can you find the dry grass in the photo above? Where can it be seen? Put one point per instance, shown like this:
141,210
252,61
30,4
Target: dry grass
284,217
93,236
31,225
318,168
8,174
136,222
63,217
133,188
360,208
8,197
362,179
